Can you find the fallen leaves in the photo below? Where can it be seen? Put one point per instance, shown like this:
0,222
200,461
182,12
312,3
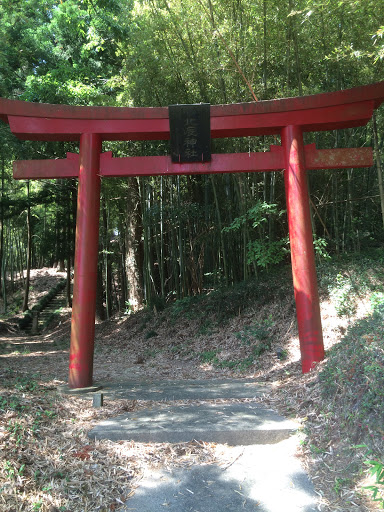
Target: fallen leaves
83,454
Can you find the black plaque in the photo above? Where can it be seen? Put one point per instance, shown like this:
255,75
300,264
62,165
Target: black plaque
190,127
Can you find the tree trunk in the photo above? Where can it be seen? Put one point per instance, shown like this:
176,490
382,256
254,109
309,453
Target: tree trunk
180,243
291,5
4,283
19,257
69,253
161,263
11,260
219,67
100,310
378,165
265,68
29,254
220,226
134,246
107,263
68,286
2,216
335,189
122,269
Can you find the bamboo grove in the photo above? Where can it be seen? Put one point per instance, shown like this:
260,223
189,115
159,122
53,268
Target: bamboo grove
166,238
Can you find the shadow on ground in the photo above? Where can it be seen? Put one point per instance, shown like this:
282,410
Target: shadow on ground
249,484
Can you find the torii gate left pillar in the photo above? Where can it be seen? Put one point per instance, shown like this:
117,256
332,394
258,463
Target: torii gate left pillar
289,118
86,256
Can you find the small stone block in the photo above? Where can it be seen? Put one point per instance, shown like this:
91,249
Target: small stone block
78,391
98,400
35,322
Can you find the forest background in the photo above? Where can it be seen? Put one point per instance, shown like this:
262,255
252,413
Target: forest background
164,238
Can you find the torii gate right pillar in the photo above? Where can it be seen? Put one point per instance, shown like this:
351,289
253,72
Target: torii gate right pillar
302,251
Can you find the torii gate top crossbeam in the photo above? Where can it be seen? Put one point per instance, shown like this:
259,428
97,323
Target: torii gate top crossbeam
328,111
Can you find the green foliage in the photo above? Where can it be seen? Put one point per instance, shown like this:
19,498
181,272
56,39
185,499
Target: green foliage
185,307
254,336
24,383
241,365
224,303
205,328
377,489
129,307
377,302
266,253
262,251
340,483
17,432
257,215
11,402
37,506
209,356
150,334
320,246
151,352
258,331
343,296
182,349
354,374
378,52
11,471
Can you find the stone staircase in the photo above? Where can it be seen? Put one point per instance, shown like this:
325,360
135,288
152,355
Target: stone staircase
48,314
39,319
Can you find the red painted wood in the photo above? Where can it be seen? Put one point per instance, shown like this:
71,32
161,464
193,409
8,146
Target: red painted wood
317,119
162,165
43,169
221,163
86,255
326,118
302,252
337,158
37,128
369,92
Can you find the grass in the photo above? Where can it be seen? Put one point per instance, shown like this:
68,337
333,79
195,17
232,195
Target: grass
223,304
352,381
213,357
150,334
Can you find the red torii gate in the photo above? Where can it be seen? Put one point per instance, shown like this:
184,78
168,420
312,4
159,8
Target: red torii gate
288,117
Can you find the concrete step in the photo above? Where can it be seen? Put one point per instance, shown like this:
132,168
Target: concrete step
55,302
234,424
197,389
48,312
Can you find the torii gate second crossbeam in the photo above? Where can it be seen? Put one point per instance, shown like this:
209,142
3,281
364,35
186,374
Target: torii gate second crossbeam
289,117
